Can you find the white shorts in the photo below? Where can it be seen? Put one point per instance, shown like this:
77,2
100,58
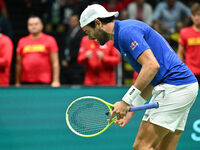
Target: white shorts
174,105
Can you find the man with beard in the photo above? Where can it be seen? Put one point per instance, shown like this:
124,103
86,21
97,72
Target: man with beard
37,57
161,74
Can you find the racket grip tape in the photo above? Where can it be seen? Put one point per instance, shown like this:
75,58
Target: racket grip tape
145,106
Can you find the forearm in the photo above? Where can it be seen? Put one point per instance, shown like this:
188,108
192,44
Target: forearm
111,60
181,52
147,92
82,59
18,69
150,67
146,75
56,72
129,115
138,98
17,74
180,55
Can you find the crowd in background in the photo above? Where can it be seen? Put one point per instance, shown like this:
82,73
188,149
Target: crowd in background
38,58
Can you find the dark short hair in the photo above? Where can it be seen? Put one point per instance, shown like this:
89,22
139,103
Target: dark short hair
34,16
195,7
103,20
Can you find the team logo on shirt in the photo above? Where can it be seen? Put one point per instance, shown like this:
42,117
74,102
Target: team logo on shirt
34,48
133,45
193,41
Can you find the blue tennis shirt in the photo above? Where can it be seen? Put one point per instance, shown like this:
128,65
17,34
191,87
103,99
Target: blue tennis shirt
132,38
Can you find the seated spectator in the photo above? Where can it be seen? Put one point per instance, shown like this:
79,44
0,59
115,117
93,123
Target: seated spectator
140,10
71,71
189,43
99,62
37,57
169,12
6,51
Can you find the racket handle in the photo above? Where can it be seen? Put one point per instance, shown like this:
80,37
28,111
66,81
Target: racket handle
145,106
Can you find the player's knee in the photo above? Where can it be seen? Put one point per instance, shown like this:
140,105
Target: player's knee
137,145
141,145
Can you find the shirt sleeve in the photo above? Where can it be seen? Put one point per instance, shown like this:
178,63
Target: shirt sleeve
53,47
132,41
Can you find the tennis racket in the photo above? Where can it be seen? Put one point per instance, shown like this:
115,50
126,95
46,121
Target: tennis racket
88,116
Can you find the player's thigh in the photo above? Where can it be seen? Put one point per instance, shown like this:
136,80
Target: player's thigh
149,135
169,142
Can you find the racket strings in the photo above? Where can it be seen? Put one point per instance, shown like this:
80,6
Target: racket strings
88,116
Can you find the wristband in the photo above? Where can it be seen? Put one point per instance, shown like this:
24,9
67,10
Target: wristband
139,101
131,95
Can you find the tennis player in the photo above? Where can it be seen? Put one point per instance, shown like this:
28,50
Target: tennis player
162,75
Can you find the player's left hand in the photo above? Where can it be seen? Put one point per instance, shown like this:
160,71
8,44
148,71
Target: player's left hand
122,122
120,109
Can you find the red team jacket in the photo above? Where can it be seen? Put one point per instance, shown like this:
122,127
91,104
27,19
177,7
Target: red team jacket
6,51
99,72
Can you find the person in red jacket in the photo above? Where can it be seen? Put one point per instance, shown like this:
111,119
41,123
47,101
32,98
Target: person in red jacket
99,62
6,51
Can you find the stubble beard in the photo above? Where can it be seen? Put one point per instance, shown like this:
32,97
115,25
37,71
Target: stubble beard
101,36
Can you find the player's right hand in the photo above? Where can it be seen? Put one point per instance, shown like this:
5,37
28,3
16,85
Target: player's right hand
122,122
120,109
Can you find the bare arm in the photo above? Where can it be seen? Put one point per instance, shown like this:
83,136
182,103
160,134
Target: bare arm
147,92
150,67
55,69
18,69
181,52
148,71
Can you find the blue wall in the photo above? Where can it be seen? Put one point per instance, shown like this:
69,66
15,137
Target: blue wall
34,119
